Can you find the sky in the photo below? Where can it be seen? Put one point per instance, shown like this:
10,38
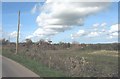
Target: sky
84,22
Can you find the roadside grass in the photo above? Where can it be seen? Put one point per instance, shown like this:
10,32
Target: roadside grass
104,62
33,65
0,50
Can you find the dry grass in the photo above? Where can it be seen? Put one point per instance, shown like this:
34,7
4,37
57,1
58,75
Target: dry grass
106,53
74,61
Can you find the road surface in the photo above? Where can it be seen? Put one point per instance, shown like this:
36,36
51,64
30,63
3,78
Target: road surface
11,68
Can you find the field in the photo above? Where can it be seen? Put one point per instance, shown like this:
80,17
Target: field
72,61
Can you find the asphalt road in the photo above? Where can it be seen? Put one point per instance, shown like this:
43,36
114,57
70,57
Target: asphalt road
11,68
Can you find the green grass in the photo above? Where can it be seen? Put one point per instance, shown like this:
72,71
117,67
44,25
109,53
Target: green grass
104,62
33,65
0,50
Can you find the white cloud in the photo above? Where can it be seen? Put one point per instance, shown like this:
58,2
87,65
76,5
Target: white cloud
57,17
84,33
103,24
48,1
29,37
114,28
60,14
114,31
96,25
13,34
36,8
99,25
0,29
103,30
110,33
97,30
93,34
42,32
80,33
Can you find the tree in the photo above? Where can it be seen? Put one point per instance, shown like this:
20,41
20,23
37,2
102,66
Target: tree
41,41
4,41
28,42
75,42
49,41
68,45
61,43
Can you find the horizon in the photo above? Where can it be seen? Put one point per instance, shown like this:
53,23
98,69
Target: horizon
60,42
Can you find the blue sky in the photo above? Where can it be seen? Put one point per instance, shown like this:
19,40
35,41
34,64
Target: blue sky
83,33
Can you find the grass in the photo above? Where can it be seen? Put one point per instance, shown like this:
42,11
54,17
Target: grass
0,50
33,65
104,62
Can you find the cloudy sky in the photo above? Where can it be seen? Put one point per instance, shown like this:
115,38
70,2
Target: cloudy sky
85,22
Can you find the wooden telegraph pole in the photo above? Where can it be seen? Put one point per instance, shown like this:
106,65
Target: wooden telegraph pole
18,32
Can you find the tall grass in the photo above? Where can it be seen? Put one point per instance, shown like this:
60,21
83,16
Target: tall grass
98,63
33,65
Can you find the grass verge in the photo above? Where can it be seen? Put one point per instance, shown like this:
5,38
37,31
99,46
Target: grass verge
33,65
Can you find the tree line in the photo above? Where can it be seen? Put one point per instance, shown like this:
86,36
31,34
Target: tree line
64,45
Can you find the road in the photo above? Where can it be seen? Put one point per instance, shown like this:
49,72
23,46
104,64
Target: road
11,68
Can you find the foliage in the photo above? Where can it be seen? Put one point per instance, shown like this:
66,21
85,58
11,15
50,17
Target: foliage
83,60
35,66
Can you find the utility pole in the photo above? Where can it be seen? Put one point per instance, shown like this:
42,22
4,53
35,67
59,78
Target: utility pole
18,32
